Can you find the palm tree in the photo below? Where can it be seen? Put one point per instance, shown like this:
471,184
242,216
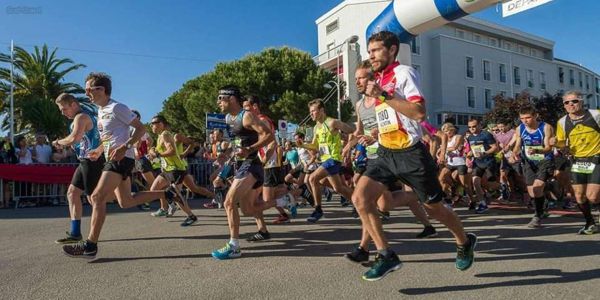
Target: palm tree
38,77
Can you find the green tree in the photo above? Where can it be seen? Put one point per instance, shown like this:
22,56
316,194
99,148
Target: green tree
38,80
549,108
287,79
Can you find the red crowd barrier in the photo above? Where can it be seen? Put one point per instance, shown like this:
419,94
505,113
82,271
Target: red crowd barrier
37,173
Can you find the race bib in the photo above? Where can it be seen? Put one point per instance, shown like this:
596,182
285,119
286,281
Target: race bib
478,150
583,167
387,121
163,163
372,149
536,156
324,149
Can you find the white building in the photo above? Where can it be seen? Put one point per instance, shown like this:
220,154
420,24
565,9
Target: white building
463,64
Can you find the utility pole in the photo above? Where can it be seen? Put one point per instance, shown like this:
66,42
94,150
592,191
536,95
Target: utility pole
12,93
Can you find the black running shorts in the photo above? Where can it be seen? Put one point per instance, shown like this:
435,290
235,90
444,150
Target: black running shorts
582,178
124,167
88,174
273,177
544,170
251,167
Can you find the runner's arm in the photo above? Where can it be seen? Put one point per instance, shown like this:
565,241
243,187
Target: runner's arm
81,124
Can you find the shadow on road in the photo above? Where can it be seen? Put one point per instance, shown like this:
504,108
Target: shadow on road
551,276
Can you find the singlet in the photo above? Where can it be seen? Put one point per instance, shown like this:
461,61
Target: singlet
180,151
173,162
455,157
368,118
397,131
533,140
277,157
330,144
113,124
242,137
90,139
582,135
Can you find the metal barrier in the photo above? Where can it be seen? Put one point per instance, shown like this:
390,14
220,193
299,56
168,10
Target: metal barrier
201,169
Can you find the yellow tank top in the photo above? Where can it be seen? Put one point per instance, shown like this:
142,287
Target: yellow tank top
173,162
330,144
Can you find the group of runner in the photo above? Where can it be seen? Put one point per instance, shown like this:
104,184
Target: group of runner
397,160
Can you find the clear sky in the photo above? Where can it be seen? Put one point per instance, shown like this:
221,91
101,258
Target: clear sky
150,48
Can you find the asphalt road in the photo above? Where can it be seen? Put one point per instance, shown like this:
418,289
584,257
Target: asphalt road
142,257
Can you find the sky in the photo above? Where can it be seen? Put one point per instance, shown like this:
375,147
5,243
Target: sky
151,48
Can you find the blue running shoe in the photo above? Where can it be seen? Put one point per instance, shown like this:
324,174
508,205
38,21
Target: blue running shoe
382,267
482,208
315,216
227,252
465,255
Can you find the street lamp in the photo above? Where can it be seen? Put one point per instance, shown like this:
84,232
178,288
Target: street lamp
350,40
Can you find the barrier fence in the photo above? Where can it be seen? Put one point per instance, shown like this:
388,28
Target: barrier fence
32,185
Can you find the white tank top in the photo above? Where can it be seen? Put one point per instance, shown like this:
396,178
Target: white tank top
455,157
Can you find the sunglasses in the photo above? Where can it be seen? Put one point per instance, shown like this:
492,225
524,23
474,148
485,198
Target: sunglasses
154,122
223,97
571,102
93,88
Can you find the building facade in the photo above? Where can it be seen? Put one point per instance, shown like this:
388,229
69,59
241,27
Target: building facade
464,64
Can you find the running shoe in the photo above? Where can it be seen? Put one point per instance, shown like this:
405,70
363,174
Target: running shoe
173,194
588,229
144,206
536,222
294,211
81,250
259,236
481,208
344,202
428,232
504,192
472,206
227,252
189,221
355,213
69,239
159,213
465,254
315,216
357,255
384,215
281,219
382,267
172,209
212,204
329,195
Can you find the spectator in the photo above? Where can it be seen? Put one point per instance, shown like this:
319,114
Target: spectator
41,151
7,152
23,152
291,155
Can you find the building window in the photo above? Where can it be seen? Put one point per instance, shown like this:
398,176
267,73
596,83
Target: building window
507,46
522,49
460,34
502,68
331,27
462,119
572,77
587,82
533,53
415,45
580,80
561,75
542,80
470,96
470,67
597,101
517,76
529,78
486,70
493,42
502,94
477,38
597,85
487,95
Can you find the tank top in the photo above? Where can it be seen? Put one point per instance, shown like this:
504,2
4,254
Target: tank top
533,140
242,137
455,157
173,162
330,144
90,139
368,118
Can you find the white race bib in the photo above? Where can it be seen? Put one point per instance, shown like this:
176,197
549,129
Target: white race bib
583,167
324,149
478,150
536,156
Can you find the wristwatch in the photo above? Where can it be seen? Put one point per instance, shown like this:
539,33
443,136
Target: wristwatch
128,146
384,96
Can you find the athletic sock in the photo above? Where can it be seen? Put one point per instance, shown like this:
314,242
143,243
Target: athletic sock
539,206
75,227
586,209
234,242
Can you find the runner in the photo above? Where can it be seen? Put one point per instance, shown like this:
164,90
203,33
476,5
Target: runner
454,163
142,163
533,148
250,135
483,147
401,156
578,133
366,150
114,120
83,137
327,140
